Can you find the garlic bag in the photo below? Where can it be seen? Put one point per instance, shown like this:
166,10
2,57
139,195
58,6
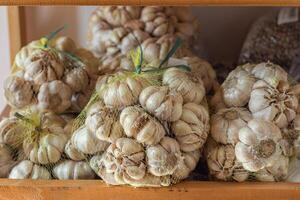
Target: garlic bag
28,170
163,158
69,169
141,126
192,128
162,102
258,145
226,123
6,161
191,88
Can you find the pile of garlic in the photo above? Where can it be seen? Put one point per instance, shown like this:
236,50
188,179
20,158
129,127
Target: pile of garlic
115,30
255,127
54,75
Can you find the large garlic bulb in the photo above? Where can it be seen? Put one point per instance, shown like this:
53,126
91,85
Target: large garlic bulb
69,169
258,145
104,122
190,87
222,163
275,104
54,96
18,92
85,141
25,52
163,158
28,170
6,161
141,126
226,123
192,128
163,103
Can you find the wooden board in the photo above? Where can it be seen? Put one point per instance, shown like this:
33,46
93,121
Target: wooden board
153,2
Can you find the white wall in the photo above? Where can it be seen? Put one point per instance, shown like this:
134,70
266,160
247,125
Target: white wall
4,52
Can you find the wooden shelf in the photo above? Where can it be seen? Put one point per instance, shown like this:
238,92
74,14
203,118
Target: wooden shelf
96,189
155,2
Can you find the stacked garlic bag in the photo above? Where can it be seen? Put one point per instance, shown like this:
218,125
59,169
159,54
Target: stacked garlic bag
144,127
52,74
255,126
115,30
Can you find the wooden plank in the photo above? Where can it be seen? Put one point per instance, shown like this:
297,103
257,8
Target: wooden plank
154,2
96,189
17,35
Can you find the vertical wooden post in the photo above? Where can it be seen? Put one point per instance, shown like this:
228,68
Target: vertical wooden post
17,32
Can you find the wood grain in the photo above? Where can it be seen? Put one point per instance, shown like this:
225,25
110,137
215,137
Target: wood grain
154,2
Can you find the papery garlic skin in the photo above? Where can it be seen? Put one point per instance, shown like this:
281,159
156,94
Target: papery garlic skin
191,88
161,102
28,170
85,141
77,79
18,92
73,153
10,132
276,104
6,161
63,43
258,145
104,122
141,126
226,123
69,169
222,163
163,158
192,128
54,96
237,87
25,52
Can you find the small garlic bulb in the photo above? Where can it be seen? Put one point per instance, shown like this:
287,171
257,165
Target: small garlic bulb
10,131
73,153
85,141
104,122
54,96
163,158
259,145
6,161
278,104
63,43
222,163
25,52
191,88
69,169
28,170
192,128
237,87
77,79
226,123
141,126
43,66
18,92
163,103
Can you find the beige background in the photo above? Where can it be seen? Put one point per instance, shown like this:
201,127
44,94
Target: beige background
222,33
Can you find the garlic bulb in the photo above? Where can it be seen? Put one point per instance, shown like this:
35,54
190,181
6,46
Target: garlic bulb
48,150
54,96
258,145
25,52
77,79
163,158
237,87
69,169
277,172
192,128
161,102
91,62
273,104
294,173
85,141
6,161
223,164
73,153
18,92
63,43
123,92
186,165
28,170
141,126
191,88
226,123
10,131
104,122
43,66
